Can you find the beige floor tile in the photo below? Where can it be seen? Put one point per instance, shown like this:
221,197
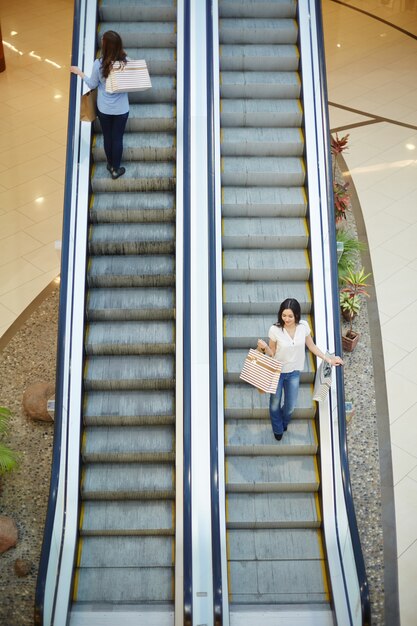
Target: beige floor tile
48,230
392,353
380,228
28,171
16,246
35,149
14,275
404,243
18,136
405,513
397,326
7,317
407,575
374,202
44,206
404,432
28,192
385,264
19,298
58,173
13,222
59,154
402,463
402,396
405,207
46,258
396,294
59,136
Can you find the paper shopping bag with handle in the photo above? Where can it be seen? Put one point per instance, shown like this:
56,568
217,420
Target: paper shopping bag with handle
261,371
128,76
323,381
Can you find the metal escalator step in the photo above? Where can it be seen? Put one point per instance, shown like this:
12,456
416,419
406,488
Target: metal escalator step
267,232
234,358
258,85
140,147
255,438
268,582
245,402
131,271
128,481
281,544
163,91
139,34
150,117
160,61
259,58
130,304
143,176
128,408
271,473
127,337
257,31
260,113
128,518
126,239
262,171
132,207
129,372
261,142
271,510
257,8
265,264
128,444
264,202
243,331
114,585
145,10
248,298
109,552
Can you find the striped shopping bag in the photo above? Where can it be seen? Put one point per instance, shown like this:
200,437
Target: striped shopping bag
323,381
261,371
128,76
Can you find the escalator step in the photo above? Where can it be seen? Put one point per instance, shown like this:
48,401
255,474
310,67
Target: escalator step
287,113
266,264
137,34
118,585
130,338
251,232
259,58
129,372
243,331
160,61
262,142
258,85
132,207
258,31
131,271
271,510
271,473
126,408
255,438
264,202
126,239
130,304
269,171
233,362
146,10
249,298
245,402
114,552
139,146
128,444
128,481
138,177
127,518
260,8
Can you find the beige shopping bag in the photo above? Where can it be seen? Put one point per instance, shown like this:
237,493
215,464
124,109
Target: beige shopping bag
88,111
128,76
261,371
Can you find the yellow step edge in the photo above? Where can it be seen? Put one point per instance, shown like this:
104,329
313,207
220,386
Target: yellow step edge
323,566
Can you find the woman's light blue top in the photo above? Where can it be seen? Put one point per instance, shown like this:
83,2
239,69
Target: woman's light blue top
109,103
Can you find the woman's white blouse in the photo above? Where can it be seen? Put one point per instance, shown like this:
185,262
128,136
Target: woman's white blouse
290,351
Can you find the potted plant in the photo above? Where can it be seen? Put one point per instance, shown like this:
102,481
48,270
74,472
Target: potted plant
354,287
341,196
8,458
348,246
350,306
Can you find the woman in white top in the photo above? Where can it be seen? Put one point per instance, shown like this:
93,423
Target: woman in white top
288,338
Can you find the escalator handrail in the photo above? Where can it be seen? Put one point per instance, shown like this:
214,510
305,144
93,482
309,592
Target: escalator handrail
188,565
353,526
214,434
62,339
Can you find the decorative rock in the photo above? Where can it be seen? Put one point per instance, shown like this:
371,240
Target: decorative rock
8,533
35,401
22,567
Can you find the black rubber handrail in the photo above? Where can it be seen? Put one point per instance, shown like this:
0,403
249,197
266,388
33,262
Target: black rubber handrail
62,338
353,526
188,564
213,361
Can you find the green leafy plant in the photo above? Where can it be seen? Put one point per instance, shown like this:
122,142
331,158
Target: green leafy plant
354,287
8,458
338,146
351,247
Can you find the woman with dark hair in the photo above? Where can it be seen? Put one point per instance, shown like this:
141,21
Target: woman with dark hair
112,108
288,338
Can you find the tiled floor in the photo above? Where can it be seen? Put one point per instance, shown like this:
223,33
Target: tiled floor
372,69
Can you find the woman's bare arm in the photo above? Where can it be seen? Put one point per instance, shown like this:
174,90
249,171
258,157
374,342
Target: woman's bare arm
335,360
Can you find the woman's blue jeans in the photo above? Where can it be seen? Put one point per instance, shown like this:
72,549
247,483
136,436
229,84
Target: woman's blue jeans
281,412
113,127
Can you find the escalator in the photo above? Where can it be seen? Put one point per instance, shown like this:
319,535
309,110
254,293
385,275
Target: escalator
275,542
126,545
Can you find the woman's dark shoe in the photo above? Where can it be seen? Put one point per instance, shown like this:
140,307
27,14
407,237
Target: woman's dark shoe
109,168
116,173
285,428
278,437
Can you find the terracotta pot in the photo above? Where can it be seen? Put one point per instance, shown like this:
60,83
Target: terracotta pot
349,341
